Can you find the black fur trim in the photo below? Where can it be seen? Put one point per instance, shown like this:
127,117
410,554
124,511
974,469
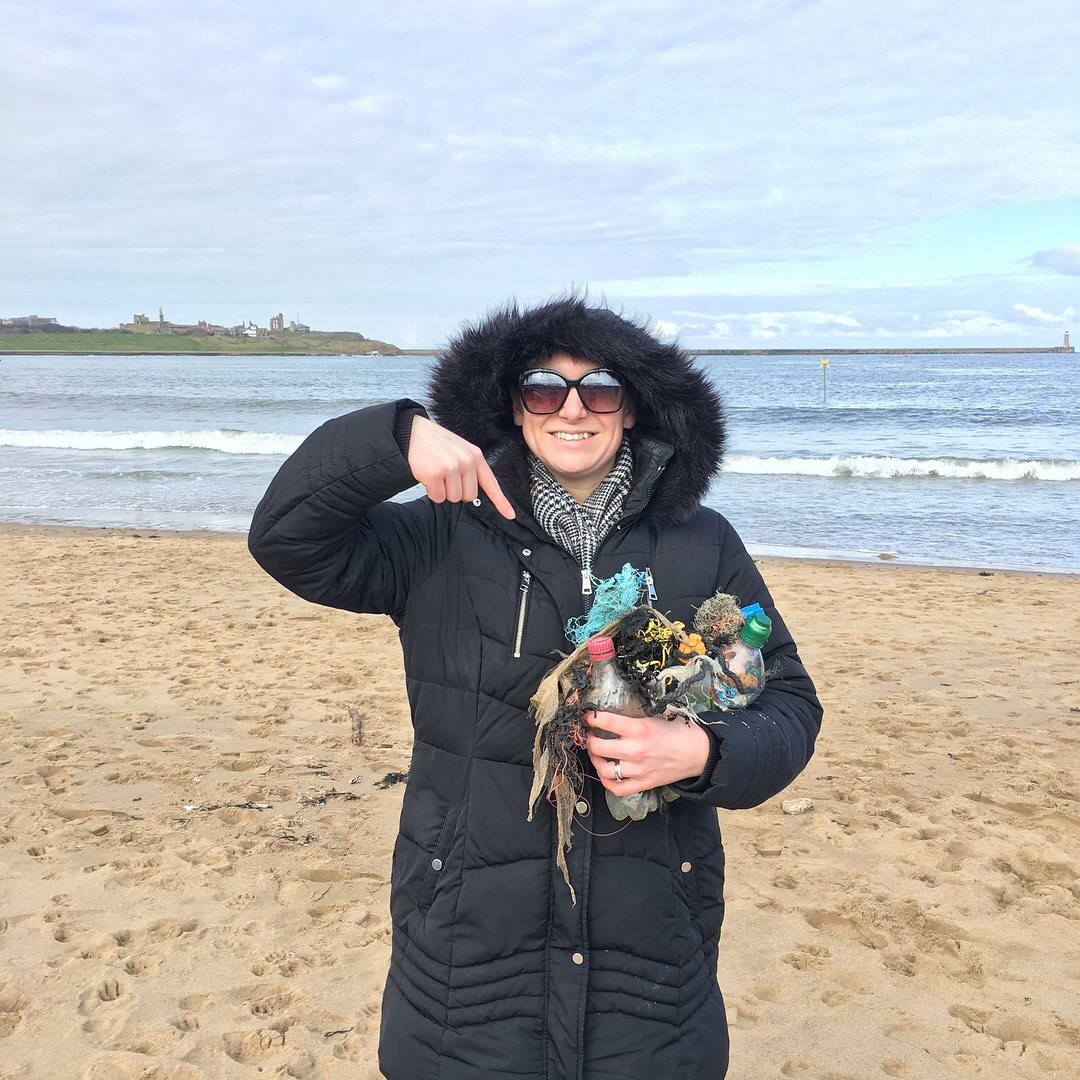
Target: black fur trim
472,383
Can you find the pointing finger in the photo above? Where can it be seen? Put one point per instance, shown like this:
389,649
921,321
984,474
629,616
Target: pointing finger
491,488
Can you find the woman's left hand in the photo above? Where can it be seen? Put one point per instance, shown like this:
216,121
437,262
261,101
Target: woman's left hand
651,751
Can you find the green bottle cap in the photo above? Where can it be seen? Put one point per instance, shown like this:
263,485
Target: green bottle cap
756,630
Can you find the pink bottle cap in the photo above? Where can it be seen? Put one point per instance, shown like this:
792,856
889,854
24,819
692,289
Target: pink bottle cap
601,648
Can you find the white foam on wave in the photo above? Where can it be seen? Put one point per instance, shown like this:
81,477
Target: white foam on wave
898,468
223,440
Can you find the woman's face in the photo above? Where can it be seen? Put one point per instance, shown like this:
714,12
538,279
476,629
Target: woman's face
579,447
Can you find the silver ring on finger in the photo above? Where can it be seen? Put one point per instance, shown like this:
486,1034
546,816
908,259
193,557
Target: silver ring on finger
618,771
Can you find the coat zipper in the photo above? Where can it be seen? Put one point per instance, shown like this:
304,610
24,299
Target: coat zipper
650,584
586,581
523,602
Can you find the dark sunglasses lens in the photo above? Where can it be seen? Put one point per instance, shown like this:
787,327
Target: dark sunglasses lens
543,394
601,393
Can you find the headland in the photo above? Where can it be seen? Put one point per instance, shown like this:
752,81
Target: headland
34,334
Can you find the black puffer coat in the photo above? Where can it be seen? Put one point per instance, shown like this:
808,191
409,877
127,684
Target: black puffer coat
495,973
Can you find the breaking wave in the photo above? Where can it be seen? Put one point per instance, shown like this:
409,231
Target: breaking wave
889,468
222,440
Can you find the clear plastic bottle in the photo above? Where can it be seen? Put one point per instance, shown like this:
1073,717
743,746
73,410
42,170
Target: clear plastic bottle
744,660
609,692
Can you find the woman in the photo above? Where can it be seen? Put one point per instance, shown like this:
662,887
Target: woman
568,442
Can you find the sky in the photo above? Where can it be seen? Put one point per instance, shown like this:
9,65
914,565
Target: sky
750,174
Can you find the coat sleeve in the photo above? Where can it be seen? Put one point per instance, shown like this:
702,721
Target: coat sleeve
325,530
763,747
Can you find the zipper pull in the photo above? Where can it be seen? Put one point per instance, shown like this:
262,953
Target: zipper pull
650,584
526,581
586,582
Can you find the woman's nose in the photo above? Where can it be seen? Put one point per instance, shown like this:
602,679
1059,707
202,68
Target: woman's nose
572,408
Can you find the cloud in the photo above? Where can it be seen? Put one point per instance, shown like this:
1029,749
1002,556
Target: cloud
978,325
1065,259
365,105
761,325
1036,314
411,170
330,83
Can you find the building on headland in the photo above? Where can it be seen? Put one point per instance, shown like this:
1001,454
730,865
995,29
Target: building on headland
1065,346
143,324
28,322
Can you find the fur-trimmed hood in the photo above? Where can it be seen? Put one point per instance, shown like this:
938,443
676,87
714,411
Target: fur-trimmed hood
674,403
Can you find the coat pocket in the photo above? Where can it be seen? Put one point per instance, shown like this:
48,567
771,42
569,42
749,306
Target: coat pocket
437,861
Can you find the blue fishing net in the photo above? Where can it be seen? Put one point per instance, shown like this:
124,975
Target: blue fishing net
612,597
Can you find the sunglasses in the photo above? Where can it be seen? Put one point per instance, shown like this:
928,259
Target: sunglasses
544,392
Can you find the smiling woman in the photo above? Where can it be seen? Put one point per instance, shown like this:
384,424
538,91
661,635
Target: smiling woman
569,443
579,439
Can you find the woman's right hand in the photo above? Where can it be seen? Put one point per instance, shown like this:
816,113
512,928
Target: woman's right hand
450,468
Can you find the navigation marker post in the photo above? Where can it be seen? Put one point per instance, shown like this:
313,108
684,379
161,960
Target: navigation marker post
824,371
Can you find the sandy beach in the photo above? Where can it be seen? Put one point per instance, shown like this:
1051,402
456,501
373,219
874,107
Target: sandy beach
195,851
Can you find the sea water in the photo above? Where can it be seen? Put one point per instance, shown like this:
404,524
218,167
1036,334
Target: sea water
950,459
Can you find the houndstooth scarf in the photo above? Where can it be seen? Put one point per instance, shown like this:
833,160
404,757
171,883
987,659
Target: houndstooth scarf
581,527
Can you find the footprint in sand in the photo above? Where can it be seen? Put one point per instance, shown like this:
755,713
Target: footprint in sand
831,923
249,1046
834,997
187,1022
267,1000
13,1004
808,957
149,1041
1046,1028
105,1006
738,1013
302,1068
125,1066
142,965
774,995
796,1067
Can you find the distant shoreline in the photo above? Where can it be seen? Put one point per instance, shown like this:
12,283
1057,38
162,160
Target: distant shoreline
880,352
193,352
341,348
126,343
431,352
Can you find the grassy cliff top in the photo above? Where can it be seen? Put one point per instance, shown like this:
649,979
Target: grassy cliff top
110,342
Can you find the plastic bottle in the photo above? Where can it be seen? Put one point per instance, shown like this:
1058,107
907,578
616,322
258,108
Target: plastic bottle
609,692
744,660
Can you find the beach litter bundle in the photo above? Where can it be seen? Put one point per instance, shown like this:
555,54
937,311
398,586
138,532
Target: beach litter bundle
673,671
